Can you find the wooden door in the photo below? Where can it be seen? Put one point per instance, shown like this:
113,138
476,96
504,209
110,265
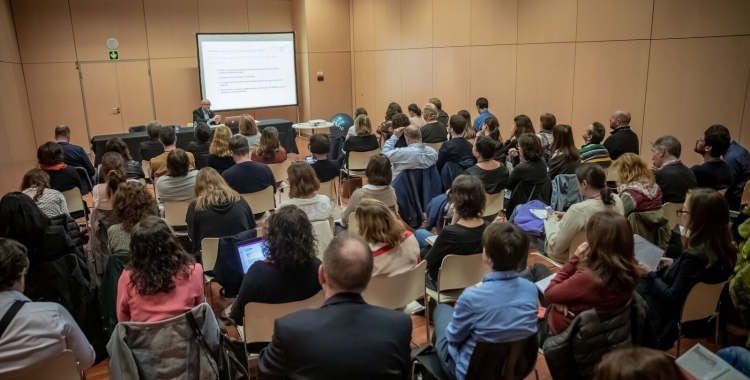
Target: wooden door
101,98
136,99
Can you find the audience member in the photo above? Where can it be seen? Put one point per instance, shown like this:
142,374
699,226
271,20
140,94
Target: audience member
357,112
637,363
565,158
217,210
236,176
442,116
325,169
112,175
61,176
178,184
636,185
363,140
738,160
415,115
132,203
249,130
469,133
601,274
593,151
319,344
152,147
457,149
561,227
491,129
400,121
379,176
395,250
622,140
709,256
200,148
303,192
269,150
168,138
416,155
73,155
547,122
220,157
464,235
532,171
35,184
522,125
36,331
714,173
290,271
672,176
386,127
161,280
483,109
433,131
480,315
493,175
133,168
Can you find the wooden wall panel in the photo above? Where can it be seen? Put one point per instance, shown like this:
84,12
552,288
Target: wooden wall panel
171,39
299,24
744,138
451,79
44,31
328,26
387,82
363,24
416,28
16,115
364,80
8,42
453,26
416,77
493,76
54,93
270,16
692,84
6,159
95,21
604,82
286,113
176,89
386,15
546,21
604,20
700,18
225,16
333,95
544,84
494,22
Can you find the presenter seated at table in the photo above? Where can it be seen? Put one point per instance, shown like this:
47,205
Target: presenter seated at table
204,114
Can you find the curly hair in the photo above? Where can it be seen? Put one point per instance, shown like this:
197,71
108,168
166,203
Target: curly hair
13,262
290,240
157,258
132,203
112,172
49,153
117,144
632,168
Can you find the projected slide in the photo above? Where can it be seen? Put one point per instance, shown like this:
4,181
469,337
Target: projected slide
241,71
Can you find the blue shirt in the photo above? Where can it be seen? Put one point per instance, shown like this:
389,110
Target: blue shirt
414,156
502,308
479,121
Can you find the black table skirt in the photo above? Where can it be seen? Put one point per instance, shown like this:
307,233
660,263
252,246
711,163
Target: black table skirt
287,137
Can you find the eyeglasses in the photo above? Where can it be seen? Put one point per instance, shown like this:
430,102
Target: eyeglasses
682,212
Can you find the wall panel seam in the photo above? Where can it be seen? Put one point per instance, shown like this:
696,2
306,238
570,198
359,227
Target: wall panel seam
744,109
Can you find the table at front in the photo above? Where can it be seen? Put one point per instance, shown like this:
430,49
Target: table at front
287,137
314,128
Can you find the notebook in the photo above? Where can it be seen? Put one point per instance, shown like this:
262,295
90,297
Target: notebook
703,364
543,284
647,253
250,251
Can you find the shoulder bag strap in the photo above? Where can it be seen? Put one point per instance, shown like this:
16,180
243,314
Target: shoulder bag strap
532,194
198,335
9,315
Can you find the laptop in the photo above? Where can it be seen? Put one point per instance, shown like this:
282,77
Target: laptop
250,251
232,121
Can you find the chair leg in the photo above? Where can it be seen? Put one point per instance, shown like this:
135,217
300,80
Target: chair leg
536,373
716,338
427,317
679,338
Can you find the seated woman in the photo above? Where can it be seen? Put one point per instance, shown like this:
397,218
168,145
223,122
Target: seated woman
249,130
493,175
415,115
217,210
290,271
708,256
200,147
269,150
522,125
636,185
469,132
220,157
111,175
162,280
303,192
602,273
61,176
179,182
394,248
133,168
379,175
40,331
35,184
132,203
325,169
491,129
561,227
528,179
464,235
363,141
565,158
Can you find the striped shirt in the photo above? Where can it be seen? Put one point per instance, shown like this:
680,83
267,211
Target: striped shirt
595,154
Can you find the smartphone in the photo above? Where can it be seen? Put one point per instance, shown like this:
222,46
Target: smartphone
550,211
309,159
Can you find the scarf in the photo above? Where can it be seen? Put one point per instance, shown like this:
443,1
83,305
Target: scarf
650,191
671,162
55,167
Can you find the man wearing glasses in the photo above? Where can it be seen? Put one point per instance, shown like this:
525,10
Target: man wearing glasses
204,114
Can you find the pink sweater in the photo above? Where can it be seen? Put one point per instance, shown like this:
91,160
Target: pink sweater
133,307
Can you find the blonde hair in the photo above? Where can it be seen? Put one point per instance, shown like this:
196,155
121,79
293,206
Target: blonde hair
220,144
212,190
362,126
303,182
632,168
248,127
269,143
378,224
429,112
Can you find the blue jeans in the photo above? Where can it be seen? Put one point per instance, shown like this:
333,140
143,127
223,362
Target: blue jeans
442,317
737,357
422,235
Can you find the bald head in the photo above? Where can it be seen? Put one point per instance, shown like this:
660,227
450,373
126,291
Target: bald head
347,264
413,135
206,104
619,119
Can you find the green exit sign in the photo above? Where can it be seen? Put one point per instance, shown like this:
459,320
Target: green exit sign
114,55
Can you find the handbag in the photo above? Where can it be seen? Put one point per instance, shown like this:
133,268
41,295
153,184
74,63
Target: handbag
348,186
228,366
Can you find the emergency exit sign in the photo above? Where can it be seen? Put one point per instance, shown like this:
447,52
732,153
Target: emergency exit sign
114,55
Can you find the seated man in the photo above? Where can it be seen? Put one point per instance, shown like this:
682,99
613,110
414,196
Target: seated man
714,173
738,158
593,151
346,338
159,163
672,176
179,182
416,155
480,315
434,131
204,114
151,147
247,176
457,149
74,155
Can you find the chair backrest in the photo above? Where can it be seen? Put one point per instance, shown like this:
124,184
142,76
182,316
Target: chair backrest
84,176
323,235
612,175
261,201
175,212
61,367
330,189
461,271
359,160
279,171
701,301
396,291
209,253
505,361
352,224
73,199
435,146
579,239
494,203
260,317
142,181
670,213
722,191
137,128
146,165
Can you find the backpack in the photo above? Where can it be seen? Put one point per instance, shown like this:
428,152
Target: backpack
527,221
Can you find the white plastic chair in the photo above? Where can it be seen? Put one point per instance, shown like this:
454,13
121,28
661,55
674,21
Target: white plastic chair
175,212
494,203
458,272
703,301
260,317
61,367
323,235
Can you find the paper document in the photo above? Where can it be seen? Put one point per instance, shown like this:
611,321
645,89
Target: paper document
431,239
703,364
541,214
543,284
647,253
